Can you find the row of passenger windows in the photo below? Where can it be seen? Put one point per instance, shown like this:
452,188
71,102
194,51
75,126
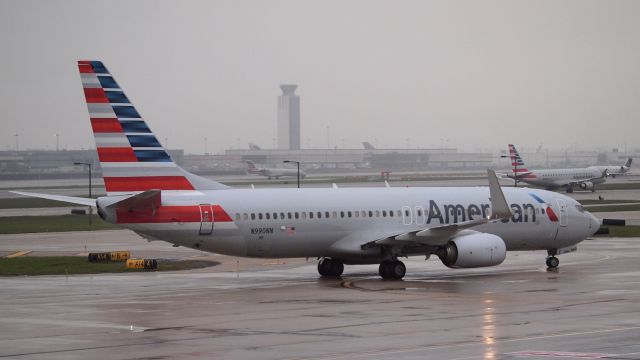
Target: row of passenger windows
322,214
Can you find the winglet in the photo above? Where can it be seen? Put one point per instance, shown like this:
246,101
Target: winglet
499,207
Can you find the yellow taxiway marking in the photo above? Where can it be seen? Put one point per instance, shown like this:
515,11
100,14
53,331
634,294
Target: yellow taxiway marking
277,262
17,253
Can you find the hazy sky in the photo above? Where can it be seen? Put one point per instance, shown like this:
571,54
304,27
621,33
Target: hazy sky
472,74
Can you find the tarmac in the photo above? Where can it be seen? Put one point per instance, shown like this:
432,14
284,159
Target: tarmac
262,309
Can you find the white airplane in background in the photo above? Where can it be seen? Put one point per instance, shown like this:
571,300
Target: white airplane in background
584,178
273,173
613,170
465,227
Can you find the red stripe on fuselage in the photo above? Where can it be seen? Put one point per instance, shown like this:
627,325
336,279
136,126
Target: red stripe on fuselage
104,125
117,154
143,183
169,214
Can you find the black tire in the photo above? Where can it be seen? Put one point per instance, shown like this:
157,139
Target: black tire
397,270
330,267
552,262
383,269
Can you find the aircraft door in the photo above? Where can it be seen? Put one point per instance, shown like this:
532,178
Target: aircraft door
564,216
406,215
206,219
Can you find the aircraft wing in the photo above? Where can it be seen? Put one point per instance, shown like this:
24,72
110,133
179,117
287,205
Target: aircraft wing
67,199
434,236
578,182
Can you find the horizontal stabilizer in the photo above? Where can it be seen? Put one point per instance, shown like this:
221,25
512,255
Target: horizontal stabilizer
147,200
67,199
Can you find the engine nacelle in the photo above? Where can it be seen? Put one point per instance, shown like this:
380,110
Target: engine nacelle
474,250
587,185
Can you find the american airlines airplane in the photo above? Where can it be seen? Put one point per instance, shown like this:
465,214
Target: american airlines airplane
584,178
465,227
613,170
273,173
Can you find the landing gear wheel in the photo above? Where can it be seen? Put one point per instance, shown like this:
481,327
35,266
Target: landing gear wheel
552,262
569,189
330,267
392,269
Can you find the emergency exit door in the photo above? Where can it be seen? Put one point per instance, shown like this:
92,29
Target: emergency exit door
206,219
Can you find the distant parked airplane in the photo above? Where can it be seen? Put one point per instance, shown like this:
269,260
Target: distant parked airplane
584,178
253,146
272,173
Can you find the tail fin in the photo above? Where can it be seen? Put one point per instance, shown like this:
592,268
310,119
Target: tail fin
251,167
131,157
516,161
628,163
367,146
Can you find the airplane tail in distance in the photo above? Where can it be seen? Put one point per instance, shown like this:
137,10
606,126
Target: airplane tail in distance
131,157
367,146
516,161
628,163
251,167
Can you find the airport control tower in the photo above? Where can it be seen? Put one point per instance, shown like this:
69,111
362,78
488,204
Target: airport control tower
288,118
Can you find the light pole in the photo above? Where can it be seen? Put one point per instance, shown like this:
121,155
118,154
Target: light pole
298,164
89,166
17,136
57,141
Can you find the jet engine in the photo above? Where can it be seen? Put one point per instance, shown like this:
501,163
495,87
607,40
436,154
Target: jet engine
474,250
587,185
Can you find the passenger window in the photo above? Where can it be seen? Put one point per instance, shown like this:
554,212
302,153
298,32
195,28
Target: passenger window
341,214
310,214
289,215
390,213
356,213
542,210
349,213
419,212
319,214
253,216
267,216
370,213
259,216
384,213
326,214
296,215
282,215
304,214
275,216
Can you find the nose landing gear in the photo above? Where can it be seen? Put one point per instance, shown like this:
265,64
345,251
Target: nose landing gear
392,269
552,262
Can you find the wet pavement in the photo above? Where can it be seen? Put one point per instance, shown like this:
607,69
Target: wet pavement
589,308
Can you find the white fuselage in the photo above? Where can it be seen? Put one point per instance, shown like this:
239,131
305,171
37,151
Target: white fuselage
279,223
553,178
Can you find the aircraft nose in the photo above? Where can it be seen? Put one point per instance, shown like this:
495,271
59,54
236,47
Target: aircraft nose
594,223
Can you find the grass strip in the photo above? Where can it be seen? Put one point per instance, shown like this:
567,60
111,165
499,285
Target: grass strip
31,202
52,223
612,208
71,265
623,231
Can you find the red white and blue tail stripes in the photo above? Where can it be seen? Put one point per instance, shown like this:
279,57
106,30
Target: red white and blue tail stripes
131,157
518,167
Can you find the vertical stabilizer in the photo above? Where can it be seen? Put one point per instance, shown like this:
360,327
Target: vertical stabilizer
131,157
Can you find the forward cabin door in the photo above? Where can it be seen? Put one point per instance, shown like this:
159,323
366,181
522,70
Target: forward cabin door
564,216
206,219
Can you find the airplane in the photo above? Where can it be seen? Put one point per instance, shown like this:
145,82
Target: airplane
253,146
584,178
367,146
271,173
613,170
466,227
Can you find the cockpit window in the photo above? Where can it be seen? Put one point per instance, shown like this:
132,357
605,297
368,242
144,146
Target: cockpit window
580,208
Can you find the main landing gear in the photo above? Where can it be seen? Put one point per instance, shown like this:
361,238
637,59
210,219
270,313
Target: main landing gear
330,267
392,269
